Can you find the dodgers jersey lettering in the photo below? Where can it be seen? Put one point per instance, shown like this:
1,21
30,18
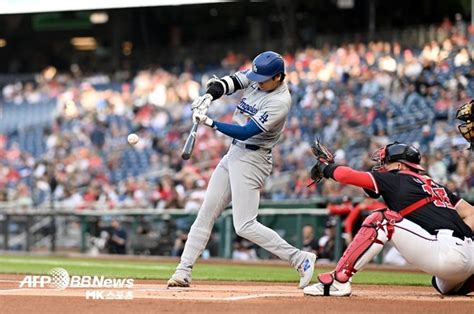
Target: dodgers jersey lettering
268,110
440,214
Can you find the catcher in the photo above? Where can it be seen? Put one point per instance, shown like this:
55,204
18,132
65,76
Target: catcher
430,226
465,113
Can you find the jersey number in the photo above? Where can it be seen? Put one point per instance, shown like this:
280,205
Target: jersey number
440,196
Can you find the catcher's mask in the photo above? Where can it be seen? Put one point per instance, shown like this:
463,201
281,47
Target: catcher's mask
466,114
393,152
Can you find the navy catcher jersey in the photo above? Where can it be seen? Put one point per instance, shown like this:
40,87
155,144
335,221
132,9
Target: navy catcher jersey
400,190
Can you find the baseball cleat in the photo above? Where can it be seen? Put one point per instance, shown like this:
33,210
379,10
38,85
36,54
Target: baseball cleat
306,270
336,289
179,279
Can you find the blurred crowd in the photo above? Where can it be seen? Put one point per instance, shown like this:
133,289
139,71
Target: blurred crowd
356,97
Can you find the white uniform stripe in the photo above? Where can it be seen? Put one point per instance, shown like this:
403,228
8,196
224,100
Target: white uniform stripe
224,86
230,83
375,183
458,202
237,78
242,78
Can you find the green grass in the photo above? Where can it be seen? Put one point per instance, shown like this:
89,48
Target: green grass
162,270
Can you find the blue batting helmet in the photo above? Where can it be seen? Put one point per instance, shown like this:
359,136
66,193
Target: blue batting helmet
265,66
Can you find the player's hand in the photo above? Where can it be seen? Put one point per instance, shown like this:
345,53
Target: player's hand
202,103
201,118
317,171
211,81
324,157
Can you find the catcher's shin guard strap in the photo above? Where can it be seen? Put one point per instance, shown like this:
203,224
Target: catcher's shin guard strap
376,230
327,288
326,279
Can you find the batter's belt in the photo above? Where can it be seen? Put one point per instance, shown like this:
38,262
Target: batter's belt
249,146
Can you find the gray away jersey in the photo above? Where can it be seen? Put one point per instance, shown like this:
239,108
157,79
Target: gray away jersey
269,110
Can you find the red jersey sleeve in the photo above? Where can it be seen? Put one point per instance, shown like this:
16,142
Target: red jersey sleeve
350,176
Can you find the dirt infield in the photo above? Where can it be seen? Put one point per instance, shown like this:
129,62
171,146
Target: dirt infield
231,297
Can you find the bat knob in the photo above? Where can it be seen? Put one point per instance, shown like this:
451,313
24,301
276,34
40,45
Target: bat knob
185,156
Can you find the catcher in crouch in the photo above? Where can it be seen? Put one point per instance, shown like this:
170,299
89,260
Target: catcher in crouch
431,227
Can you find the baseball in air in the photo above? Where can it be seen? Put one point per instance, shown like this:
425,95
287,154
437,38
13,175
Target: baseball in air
132,138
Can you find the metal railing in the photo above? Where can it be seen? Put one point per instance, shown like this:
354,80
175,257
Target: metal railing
34,220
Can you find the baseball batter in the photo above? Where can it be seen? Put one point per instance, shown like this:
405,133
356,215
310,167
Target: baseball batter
431,227
260,118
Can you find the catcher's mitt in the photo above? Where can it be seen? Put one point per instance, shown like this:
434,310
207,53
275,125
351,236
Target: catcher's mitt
323,158
321,152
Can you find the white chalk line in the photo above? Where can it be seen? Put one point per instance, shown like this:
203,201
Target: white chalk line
154,288
255,296
158,297
83,263
17,289
233,298
149,288
6,280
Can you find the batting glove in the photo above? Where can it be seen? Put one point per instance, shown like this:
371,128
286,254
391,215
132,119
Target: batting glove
211,81
201,118
202,103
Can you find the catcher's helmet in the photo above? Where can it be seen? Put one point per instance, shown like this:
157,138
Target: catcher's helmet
465,113
265,66
407,154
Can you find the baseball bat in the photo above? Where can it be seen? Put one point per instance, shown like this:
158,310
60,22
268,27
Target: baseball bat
189,145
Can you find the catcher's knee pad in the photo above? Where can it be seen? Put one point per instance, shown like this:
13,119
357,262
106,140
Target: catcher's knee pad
376,230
